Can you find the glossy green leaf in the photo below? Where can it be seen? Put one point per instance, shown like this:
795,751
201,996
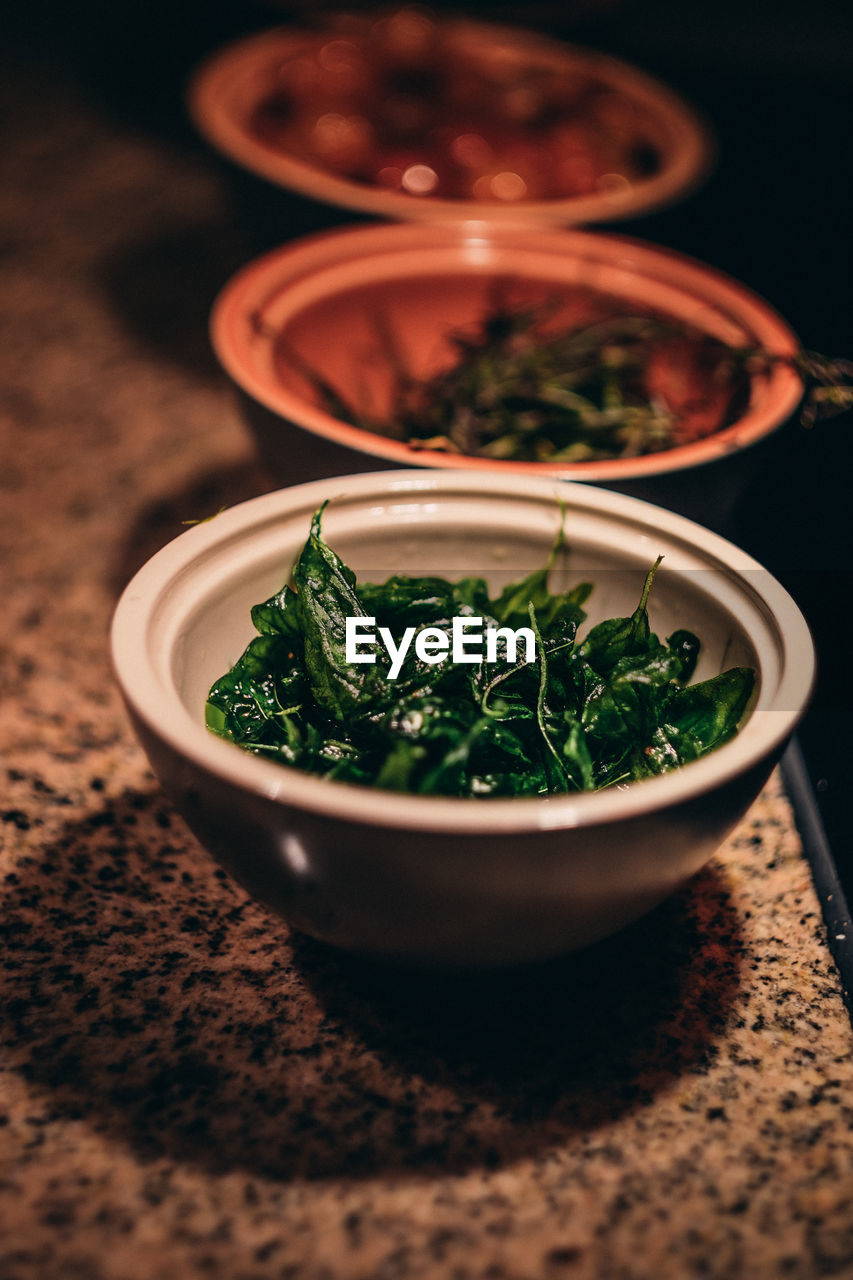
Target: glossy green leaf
612,708
325,588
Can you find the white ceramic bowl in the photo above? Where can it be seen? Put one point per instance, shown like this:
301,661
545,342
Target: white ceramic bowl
321,298
453,881
321,71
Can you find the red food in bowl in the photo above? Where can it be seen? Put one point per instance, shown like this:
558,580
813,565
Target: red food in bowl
413,117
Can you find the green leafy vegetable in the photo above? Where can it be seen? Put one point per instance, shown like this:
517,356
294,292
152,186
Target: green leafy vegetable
611,708
325,597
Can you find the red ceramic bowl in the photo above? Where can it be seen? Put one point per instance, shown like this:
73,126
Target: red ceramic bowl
317,301
416,118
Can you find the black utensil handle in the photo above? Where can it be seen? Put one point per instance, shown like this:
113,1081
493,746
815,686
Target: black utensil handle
816,846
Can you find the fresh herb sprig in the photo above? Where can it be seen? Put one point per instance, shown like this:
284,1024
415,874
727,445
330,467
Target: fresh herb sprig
615,386
608,709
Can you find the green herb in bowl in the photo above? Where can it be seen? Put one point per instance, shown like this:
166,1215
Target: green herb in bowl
611,385
566,713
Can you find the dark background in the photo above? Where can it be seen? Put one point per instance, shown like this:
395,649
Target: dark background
774,80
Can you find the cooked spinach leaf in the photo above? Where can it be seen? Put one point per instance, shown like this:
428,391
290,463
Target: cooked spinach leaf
325,597
612,708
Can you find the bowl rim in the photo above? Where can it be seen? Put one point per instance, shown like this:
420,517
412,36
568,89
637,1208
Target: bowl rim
155,701
233,331
688,152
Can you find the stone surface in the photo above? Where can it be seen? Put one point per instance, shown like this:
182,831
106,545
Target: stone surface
188,1089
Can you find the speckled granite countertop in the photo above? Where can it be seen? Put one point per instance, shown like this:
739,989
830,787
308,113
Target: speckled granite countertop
189,1090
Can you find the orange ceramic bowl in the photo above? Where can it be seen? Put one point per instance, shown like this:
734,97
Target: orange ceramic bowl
332,301
410,117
